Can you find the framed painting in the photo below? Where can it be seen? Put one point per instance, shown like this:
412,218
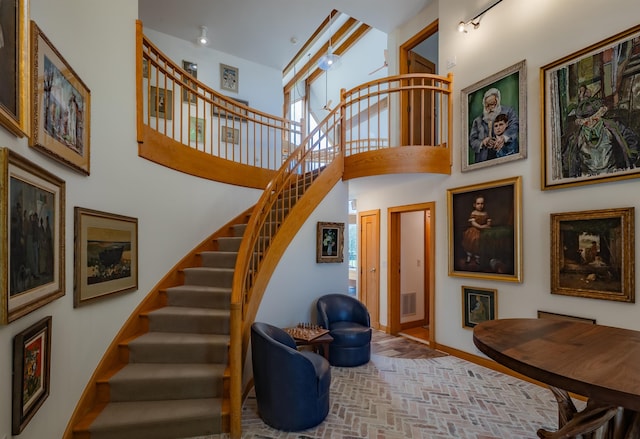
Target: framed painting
61,118
494,115
592,254
485,230
106,255
591,114
556,316
14,71
31,372
196,129
329,242
161,103
229,78
229,135
32,217
478,305
229,111
192,69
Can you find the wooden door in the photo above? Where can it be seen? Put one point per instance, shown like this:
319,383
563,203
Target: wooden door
421,124
369,263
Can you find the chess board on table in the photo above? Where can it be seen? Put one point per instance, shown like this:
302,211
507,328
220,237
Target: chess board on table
306,331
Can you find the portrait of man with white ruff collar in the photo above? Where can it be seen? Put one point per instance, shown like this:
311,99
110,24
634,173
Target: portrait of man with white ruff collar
591,114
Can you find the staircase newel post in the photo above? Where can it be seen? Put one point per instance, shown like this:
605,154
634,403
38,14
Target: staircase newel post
235,354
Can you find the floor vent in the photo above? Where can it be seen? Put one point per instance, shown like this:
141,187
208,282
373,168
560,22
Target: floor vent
408,304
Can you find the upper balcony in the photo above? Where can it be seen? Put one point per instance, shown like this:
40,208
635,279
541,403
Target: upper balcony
398,124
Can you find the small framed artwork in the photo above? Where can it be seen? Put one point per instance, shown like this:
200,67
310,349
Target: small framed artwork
145,68
556,316
161,103
61,119
229,78
592,254
494,115
485,230
230,111
189,83
478,305
229,135
196,129
106,255
31,372
15,87
32,217
591,130
330,242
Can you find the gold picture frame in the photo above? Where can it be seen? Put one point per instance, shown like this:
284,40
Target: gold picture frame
31,372
15,86
329,242
106,255
32,219
588,99
61,119
485,230
592,254
564,317
478,305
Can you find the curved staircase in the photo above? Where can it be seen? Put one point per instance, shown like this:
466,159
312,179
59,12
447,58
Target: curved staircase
166,375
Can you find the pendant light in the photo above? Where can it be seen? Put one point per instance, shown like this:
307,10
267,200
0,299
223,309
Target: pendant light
329,61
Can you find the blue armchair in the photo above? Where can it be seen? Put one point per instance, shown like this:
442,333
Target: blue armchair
347,320
292,387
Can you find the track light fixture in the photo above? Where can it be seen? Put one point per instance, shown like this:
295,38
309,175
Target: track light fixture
203,40
475,21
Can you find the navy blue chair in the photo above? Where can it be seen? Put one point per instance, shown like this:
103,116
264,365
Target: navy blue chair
292,387
348,322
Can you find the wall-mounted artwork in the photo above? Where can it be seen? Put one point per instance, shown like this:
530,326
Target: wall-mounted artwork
31,372
485,230
196,129
329,242
15,87
192,69
229,78
229,135
161,103
592,254
230,111
62,106
591,114
494,115
32,218
478,305
106,255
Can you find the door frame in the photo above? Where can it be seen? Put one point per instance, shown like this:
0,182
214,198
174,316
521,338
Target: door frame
403,52
393,274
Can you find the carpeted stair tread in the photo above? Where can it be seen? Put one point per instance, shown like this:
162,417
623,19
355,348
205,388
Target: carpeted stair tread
158,381
208,276
158,419
167,347
199,295
229,243
218,259
185,319
239,229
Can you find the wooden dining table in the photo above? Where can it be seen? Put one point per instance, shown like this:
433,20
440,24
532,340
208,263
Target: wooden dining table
601,363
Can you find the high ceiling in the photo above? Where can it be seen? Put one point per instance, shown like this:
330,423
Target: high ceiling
262,30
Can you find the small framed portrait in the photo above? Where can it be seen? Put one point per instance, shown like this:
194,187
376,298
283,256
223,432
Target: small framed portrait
494,115
31,372
15,87
62,106
32,214
106,255
196,129
485,230
478,305
161,103
590,122
229,78
330,242
189,81
229,135
592,254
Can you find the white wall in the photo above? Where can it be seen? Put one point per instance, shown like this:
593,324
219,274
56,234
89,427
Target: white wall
98,40
543,32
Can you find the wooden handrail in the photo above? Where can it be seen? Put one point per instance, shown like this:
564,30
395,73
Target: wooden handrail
364,128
